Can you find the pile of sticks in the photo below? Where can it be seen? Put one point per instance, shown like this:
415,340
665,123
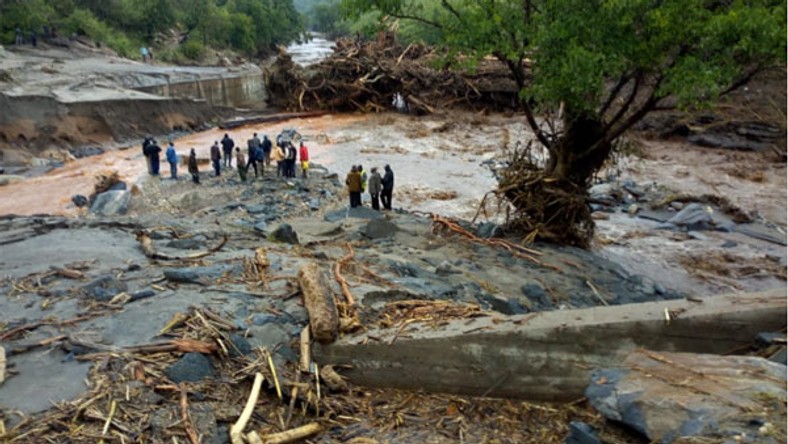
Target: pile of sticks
366,76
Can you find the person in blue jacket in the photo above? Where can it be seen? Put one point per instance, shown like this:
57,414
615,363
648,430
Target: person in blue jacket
172,158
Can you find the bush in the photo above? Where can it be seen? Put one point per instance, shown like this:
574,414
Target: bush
192,50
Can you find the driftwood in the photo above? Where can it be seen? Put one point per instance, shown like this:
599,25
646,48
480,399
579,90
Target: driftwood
319,303
147,247
2,364
236,432
286,436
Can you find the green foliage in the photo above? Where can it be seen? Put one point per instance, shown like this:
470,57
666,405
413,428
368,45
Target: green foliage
192,49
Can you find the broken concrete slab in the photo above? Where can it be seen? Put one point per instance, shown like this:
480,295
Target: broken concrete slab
666,396
547,355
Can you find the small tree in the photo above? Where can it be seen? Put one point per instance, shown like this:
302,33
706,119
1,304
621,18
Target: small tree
588,70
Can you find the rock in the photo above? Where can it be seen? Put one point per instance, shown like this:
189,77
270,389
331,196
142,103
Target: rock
781,357
508,306
262,319
768,338
80,201
537,295
666,396
633,210
191,367
697,236
256,209
678,206
693,217
581,433
379,228
489,230
285,233
358,213
269,336
601,189
111,203
87,151
599,215
261,226
142,294
446,268
729,244
314,204
196,275
239,346
186,244
104,288
118,186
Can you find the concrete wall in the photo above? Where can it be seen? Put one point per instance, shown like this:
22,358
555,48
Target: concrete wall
548,356
246,90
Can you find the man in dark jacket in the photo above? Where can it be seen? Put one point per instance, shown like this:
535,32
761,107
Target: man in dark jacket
155,151
388,188
252,145
193,169
216,158
292,154
266,151
227,147
146,145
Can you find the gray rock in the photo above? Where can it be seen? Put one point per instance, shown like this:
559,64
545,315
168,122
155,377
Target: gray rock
669,396
118,186
142,294
285,233
256,209
196,275
104,288
358,213
697,236
191,367
729,244
111,203
239,346
693,217
537,295
489,230
79,200
508,306
268,335
581,433
314,204
262,319
379,228
186,244
446,268
601,189
261,226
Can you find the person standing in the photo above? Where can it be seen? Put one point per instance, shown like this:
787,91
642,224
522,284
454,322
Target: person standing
155,151
20,39
33,38
303,155
144,54
227,147
252,145
172,158
292,154
353,182
193,169
240,162
388,188
266,151
363,181
146,145
279,157
216,158
375,185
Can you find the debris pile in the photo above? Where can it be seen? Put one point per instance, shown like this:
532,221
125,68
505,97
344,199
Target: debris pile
383,75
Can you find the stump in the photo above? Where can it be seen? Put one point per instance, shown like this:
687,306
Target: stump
319,303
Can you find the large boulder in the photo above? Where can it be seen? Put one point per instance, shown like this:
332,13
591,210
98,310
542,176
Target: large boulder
379,228
693,217
666,396
285,233
110,203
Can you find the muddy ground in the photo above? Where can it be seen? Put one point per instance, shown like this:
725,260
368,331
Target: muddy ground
81,302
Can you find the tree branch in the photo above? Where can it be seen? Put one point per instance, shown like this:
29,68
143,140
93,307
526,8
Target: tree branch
613,94
519,78
623,110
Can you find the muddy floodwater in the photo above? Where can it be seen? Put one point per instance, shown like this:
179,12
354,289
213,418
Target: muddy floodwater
440,166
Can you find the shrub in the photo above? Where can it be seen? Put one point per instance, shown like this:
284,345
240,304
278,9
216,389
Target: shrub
192,49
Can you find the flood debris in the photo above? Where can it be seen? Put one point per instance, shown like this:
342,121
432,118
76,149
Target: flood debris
319,303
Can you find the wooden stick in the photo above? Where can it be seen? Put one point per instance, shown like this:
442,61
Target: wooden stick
147,247
340,279
276,377
236,432
253,438
113,405
292,434
187,421
599,296
306,350
2,364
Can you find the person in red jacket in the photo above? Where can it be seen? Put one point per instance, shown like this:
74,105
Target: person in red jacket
303,154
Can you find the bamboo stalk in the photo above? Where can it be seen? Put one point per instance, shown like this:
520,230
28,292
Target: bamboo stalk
236,431
276,377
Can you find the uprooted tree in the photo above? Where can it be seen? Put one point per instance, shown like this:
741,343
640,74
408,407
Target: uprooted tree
587,71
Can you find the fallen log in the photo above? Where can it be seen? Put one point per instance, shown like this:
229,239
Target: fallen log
147,247
232,124
319,303
288,435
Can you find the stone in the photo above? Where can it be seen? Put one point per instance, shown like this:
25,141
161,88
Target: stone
80,201
508,306
104,288
285,233
314,204
186,244
118,186
487,230
358,213
268,335
697,236
256,209
599,215
581,433
693,217
666,396
446,268
261,226
633,209
239,346
729,244
537,295
142,294
190,368
379,228
196,275
111,203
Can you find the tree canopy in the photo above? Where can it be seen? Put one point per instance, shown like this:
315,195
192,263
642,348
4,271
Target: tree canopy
590,69
249,26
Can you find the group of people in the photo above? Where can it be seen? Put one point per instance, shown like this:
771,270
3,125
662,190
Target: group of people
380,188
50,32
260,154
